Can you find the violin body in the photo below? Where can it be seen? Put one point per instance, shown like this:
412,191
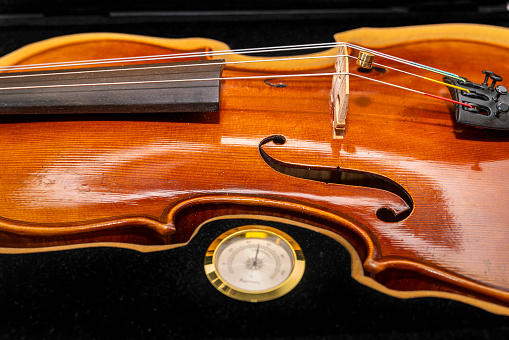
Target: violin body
150,182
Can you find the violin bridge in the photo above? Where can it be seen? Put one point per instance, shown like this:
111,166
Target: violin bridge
339,93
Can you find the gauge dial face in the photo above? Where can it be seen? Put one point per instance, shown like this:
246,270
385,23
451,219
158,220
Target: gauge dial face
254,263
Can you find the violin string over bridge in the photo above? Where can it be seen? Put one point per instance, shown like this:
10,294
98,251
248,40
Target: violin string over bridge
365,59
42,83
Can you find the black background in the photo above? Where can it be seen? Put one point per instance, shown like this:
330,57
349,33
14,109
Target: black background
117,293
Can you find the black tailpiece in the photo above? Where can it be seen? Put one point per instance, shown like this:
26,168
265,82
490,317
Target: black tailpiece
490,103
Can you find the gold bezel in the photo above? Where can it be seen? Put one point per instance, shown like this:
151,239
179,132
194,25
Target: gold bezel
254,296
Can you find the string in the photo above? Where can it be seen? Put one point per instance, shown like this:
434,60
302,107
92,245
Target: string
221,63
156,66
226,52
419,76
237,78
170,56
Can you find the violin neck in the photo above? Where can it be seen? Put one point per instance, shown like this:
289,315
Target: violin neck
120,89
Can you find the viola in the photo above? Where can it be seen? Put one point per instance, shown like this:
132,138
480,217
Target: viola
116,154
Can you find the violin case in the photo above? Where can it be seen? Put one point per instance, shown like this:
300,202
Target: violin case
103,293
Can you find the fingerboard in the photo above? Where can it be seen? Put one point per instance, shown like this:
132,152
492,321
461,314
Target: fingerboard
121,89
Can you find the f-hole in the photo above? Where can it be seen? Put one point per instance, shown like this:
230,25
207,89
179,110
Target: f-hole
342,177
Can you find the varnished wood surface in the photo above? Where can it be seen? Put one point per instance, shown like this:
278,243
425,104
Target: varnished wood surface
153,180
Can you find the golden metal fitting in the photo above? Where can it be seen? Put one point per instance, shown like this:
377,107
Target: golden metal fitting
365,59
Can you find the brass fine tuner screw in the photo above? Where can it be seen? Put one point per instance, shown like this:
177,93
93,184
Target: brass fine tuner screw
365,60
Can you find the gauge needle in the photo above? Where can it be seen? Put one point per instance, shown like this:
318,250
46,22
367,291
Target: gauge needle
256,256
